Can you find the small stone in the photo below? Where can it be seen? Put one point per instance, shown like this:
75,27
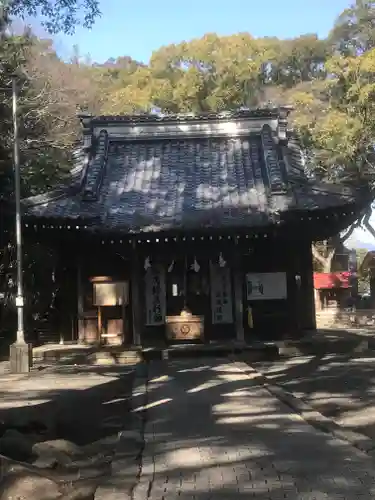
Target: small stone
60,445
48,456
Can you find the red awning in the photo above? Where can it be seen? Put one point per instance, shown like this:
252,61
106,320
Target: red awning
331,280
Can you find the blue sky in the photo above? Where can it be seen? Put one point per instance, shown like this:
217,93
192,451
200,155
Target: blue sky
137,28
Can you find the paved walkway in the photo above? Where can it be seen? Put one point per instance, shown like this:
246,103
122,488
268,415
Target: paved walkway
340,387
213,433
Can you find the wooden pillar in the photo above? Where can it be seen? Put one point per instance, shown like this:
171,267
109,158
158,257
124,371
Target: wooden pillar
307,288
238,296
80,304
136,296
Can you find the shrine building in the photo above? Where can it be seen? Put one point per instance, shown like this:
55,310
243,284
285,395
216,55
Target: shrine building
189,228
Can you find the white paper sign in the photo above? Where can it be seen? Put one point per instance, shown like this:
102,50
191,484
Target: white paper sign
221,295
111,294
266,286
155,292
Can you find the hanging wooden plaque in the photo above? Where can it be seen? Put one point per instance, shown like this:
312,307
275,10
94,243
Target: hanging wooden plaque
221,294
155,291
111,294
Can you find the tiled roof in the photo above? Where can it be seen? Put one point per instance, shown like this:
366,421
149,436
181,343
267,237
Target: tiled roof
240,114
189,183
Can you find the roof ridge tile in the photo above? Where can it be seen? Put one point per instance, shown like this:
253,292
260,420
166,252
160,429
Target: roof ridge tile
254,113
95,170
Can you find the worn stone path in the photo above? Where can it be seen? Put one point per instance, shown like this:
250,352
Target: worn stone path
214,433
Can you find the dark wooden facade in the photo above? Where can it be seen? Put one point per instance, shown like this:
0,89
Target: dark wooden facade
91,260
174,233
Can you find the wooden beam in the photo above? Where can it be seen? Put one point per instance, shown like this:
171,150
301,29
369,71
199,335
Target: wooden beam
238,296
80,304
136,296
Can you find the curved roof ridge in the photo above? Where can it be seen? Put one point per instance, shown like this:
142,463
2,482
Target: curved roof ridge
242,113
64,189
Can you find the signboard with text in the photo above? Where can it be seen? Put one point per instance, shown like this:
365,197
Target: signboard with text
266,286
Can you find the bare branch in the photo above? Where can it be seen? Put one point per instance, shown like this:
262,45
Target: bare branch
351,229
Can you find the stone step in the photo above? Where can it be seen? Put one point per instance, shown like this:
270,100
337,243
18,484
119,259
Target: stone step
114,358
89,356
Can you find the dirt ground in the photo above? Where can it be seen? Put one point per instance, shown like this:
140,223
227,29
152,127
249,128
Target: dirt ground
80,404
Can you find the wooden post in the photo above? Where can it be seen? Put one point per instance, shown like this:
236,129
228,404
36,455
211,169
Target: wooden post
100,324
307,292
124,339
310,287
238,297
135,296
80,305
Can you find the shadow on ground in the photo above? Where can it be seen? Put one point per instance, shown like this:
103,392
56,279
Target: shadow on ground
80,404
341,387
213,433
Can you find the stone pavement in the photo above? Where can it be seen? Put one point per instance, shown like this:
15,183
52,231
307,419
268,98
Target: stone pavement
340,387
214,433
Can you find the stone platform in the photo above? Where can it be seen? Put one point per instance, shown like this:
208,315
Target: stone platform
76,354
314,343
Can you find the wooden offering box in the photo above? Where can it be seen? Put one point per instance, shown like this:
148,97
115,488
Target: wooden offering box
185,327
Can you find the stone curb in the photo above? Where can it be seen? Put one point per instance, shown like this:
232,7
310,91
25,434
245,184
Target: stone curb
126,463
144,485
309,414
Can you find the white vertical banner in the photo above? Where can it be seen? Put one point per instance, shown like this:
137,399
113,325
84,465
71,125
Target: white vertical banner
155,295
221,294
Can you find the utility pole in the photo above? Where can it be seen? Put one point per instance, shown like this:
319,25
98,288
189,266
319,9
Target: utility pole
17,192
20,355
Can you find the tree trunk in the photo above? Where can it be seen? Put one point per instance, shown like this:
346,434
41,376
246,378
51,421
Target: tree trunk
324,261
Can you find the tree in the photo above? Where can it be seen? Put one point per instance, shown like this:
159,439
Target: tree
298,60
45,112
50,127
49,91
354,30
57,15
341,133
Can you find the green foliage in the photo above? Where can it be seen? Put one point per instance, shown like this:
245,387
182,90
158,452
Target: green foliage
12,55
57,15
354,30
